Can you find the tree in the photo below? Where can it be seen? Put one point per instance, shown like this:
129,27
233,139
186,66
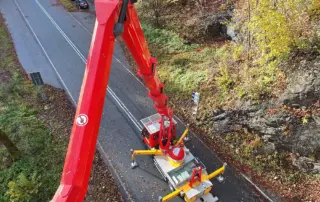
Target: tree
156,11
12,149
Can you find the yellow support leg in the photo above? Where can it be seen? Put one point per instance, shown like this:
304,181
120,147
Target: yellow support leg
146,152
215,173
171,195
143,152
182,136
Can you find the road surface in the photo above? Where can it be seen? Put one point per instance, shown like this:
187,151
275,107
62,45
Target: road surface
56,43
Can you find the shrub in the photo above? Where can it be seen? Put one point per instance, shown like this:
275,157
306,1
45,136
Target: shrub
224,82
23,189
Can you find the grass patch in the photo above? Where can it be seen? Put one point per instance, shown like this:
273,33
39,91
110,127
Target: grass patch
24,118
180,65
167,42
68,5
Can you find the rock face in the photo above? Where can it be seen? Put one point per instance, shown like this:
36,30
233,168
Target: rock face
283,129
304,85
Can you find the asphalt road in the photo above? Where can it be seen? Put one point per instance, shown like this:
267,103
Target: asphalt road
56,43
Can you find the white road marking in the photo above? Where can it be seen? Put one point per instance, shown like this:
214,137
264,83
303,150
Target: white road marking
253,184
113,95
124,108
71,97
134,76
79,23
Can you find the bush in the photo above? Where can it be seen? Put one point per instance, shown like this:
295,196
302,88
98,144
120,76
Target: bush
23,189
39,155
272,29
224,82
155,12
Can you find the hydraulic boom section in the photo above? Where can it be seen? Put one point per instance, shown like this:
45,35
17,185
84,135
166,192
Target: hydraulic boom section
128,26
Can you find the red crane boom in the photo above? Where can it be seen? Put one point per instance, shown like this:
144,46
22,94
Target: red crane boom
113,18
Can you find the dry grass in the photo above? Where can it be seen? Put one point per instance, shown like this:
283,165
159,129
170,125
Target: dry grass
67,4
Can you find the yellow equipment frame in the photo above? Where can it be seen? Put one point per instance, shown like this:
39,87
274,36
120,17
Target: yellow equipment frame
153,151
146,152
187,187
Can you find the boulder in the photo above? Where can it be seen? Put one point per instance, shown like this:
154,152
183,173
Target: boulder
303,85
307,165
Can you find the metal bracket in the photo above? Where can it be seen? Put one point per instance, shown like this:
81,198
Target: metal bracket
186,139
119,26
134,164
220,178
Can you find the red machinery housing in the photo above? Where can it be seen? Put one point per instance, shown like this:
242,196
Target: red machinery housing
114,18
151,131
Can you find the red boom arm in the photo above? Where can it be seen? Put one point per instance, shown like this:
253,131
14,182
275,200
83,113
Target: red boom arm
79,158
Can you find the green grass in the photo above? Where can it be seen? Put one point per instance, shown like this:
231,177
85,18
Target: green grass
181,66
36,175
167,41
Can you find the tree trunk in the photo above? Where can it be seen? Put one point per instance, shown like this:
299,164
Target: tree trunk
12,149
